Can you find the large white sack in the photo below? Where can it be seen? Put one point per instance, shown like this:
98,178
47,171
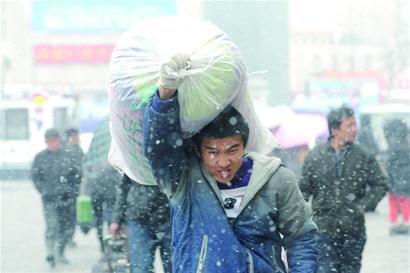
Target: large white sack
216,78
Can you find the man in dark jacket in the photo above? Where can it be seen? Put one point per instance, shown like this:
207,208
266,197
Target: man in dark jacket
145,211
101,179
73,149
231,212
343,179
57,178
398,170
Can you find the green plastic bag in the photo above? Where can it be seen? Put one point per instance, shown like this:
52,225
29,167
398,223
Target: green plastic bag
84,210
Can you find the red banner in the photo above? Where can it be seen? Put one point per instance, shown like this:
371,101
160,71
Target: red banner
72,54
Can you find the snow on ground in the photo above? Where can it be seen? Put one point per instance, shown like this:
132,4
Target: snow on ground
23,250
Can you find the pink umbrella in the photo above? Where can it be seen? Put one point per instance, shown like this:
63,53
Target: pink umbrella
300,129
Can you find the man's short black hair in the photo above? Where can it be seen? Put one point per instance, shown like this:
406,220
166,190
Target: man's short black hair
228,123
336,116
71,131
51,133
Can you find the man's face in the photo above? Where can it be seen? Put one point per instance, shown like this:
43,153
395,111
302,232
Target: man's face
222,157
347,131
75,139
53,144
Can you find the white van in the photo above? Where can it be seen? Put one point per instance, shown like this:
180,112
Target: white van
23,122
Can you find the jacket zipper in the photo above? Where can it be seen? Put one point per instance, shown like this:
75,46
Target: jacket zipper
250,262
275,262
202,255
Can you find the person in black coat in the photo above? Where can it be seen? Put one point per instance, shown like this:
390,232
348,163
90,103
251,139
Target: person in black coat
73,148
57,178
343,179
102,181
398,170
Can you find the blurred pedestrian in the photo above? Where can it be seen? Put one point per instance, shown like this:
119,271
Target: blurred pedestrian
342,179
398,170
72,143
365,136
366,140
101,179
57,179
145,212
102,182
72,147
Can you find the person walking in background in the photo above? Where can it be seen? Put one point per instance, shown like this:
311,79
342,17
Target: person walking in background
342,179
100,179
145,212
57,178
398,170
72,147
72,144
365,136
101,185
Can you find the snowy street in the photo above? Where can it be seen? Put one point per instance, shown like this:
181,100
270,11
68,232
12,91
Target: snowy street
22,235
23,250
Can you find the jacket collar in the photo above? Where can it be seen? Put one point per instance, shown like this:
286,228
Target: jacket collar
263,168
344,149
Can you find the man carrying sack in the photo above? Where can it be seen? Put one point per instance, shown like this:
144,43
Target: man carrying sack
231,211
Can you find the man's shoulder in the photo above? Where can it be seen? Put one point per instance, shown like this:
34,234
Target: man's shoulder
360,150
42,154
265,160
323,146
272,169
264,165
318,151
280,183
283,175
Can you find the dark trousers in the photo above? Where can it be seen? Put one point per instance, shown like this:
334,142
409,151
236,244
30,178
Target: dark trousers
103,205
143,241
58,223
73,218
341,253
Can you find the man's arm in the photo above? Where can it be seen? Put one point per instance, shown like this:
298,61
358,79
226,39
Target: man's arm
163,142
377,183
302,254
37,174
296,224
120,207
304,181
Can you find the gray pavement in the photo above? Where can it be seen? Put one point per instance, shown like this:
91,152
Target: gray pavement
384,253
22,235
23,251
